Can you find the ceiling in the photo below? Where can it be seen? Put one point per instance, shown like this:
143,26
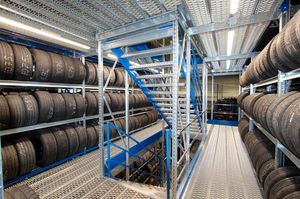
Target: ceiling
80,20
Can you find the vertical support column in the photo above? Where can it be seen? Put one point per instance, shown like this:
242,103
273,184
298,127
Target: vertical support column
163,130
212,97
204,93
175,75
1,173
101,106
251,124
168,162
188,97
281,88
126,121
240,90
83,93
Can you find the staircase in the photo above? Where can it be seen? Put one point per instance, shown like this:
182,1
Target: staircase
153,74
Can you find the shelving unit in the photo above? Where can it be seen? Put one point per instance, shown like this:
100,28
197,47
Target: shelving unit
281,152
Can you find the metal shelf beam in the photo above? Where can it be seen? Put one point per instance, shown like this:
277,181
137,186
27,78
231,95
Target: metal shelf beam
277,143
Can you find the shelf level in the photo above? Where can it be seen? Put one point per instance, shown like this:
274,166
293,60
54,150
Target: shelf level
277,143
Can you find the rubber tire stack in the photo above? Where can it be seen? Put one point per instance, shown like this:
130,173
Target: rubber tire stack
278,115
281,53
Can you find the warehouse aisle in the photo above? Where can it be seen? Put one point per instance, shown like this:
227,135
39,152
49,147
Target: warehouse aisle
225,170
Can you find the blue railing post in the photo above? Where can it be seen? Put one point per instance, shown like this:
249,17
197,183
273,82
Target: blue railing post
168,162
108,142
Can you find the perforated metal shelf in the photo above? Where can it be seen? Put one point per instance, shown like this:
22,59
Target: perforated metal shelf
225,170
78,178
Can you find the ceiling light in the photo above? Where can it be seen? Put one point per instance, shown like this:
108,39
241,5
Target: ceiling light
230,37
41,32
234,4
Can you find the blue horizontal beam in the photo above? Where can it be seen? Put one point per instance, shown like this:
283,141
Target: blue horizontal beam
121,157
223,122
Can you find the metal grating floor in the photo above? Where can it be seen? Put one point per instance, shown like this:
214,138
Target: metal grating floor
78,178
225,170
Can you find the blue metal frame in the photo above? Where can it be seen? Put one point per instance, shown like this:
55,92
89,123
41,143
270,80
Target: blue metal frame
168,162
125,62
113,162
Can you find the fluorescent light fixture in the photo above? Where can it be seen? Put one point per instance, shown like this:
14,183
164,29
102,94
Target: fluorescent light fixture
227,64
234,4
230,37
16,24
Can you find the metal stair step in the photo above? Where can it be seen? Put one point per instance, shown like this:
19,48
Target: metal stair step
166,92
149,53
151,65
161,85
168,99
154,76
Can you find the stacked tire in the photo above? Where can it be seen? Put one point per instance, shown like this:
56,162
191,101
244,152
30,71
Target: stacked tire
135,122
117,77
23,109
56,143
116,101
278,115
20,192
19,63
18,157
281,53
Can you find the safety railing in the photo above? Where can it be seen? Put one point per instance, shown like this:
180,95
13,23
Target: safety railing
111,163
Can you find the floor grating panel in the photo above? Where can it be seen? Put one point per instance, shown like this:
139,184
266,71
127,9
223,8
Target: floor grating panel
225,169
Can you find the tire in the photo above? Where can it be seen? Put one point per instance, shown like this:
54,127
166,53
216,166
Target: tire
276,176
265,106
105,74
4,113
119,78
17,111
293,195
31,110
96,71
58,68
271,109
82,136
26,155
285,187
107,97
91,104
59,112
241,97
262,159
260,149
289,125
80,71
91,135
243,127
279,112
7,61
80,105
45,147
96,141
265,169
42,66
90,77
70,70
23,62
10,160
45,104
115,102
73,139
21,192
62,143
96,94
70,105
112,77
249,102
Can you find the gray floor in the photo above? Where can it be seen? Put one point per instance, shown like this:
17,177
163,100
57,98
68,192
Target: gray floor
225,170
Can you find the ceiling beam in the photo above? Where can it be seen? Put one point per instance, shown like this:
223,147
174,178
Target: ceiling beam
230,57
233,22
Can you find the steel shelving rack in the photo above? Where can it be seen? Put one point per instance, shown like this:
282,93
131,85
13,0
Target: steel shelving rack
281,152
